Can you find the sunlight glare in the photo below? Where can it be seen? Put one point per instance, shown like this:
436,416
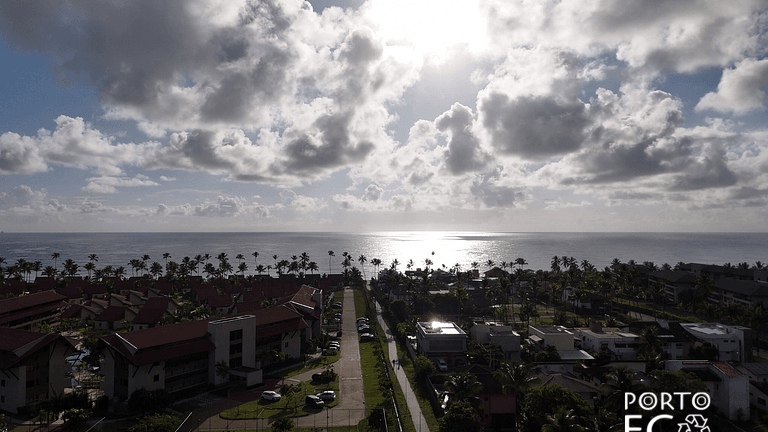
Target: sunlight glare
434,28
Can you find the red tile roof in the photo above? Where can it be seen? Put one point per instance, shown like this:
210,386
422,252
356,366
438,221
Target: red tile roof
13,339
149,316
28,301
112,314
726,369
169,334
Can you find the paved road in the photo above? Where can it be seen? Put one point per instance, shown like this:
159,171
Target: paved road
413,404
349,411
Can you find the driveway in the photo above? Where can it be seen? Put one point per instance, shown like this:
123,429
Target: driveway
349,411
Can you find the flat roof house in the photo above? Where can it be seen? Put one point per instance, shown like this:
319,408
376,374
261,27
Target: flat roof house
442,340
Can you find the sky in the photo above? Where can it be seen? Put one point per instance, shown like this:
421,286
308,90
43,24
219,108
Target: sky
380,115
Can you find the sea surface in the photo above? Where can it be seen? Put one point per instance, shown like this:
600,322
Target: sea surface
442,248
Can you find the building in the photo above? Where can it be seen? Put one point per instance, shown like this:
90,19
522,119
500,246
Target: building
180,357
183,357
622,345
500,335
32,368
727,387
732,342
563,340
27,311
441,340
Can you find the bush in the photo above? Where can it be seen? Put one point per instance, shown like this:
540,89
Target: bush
156,423
423,367
75,418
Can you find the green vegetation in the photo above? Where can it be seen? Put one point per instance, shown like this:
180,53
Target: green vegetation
285,407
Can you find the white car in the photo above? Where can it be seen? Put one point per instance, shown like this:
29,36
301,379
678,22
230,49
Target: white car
327,395
334,345
270,395
442,365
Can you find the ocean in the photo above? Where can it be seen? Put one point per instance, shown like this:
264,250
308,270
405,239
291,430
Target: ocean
442,248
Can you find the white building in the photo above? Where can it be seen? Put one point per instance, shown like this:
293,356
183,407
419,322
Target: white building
732,342
500,335
728,388
441,340
624,345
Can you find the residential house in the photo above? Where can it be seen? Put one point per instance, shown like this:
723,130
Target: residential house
622,345
32,368
114,318
728,388
732,342
441,340
502,336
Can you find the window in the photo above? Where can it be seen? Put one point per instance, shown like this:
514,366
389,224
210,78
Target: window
286,344
2,383
156,378
761,401
235,349
2,399
236,335
30,383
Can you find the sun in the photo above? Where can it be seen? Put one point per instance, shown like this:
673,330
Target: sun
434,28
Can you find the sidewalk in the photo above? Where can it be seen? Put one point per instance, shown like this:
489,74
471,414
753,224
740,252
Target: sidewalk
413,404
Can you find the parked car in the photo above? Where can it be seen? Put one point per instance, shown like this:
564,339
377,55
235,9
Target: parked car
270,395
314,401
327,395
330,352
337,305
366,337
442,365
363,329
334,345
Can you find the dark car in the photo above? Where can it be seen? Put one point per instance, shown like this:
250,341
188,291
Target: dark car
313,401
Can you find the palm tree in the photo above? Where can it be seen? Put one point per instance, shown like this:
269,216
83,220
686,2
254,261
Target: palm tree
89,267
462,385
330,254
240,257
619,381
516,378
49,271
156,269
119,272
242,267
362,260
555,264
312,266
55,257
255,256
166,255
93,258
563,420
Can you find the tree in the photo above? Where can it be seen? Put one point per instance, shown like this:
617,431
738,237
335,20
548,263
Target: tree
619,381
516,378
544,401
156,423
423,367
75,418
462,385
222,370
289,392
460,417
563,420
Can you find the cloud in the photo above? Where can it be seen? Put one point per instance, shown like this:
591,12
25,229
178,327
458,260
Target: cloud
167,179
106,184
534,128
741,89
20,155
373,193
464,153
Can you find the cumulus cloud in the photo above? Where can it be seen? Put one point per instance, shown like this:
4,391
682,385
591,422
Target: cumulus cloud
106,184
741,89
464,153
